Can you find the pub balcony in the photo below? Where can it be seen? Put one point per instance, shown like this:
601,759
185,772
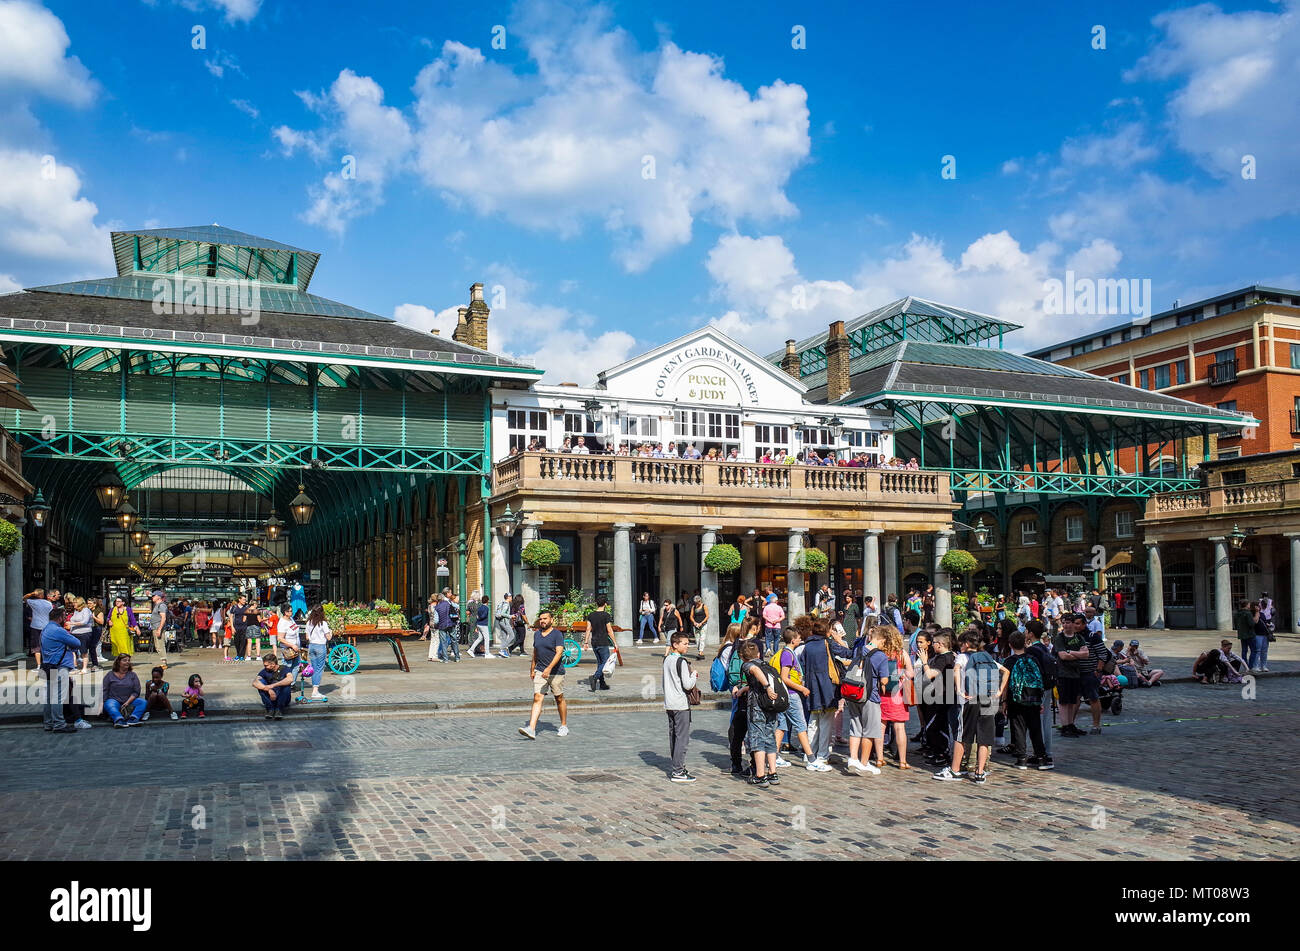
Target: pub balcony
595,489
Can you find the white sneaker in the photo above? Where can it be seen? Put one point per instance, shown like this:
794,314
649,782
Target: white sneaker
780,763
1264,669
144,716
173,715
528,732
83,725
562,731
656,640
870,768
817,766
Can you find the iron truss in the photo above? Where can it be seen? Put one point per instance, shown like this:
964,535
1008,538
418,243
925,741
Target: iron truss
1066,483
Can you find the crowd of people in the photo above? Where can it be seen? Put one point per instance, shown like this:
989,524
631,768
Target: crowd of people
689,451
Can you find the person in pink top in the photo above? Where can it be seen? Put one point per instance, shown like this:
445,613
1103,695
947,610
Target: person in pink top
773,615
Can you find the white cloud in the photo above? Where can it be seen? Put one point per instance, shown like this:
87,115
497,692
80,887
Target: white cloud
590,130
556,339
44,217
246,107
9,284
1010,167
34,55
769,299
1123,148
222,61
235,11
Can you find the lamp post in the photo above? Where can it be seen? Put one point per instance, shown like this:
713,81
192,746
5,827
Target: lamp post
38,511
508,522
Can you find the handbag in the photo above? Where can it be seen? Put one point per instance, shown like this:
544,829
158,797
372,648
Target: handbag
611,665
692,695
854,687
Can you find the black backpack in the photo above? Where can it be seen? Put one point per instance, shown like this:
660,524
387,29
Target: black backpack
1051,667
766,703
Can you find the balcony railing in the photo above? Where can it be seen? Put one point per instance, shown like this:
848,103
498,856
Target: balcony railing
632,474
1225,500
1225,371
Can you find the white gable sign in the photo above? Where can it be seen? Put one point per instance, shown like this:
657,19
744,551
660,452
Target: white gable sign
706,373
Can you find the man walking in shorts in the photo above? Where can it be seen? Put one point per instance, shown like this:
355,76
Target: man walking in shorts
546,673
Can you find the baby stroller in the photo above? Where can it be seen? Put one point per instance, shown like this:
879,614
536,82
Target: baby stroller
1111,693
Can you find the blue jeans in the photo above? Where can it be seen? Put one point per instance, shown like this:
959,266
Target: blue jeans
115,713
772,638
278,701
1258,656
602,655
647,621
316,656
448,644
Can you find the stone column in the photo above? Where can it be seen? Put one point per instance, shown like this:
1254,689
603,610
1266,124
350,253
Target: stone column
690,573
587,555
622,591
667,572
871,566
794,579
500,568
748,564
709,585
1155,588
528,586
1293,622
891,570
13,607
1222,585
942,591
1200,586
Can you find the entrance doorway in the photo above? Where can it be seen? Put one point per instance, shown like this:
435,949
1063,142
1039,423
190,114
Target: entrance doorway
646,577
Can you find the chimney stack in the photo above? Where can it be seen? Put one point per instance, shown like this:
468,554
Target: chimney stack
837,362
790,362
476,320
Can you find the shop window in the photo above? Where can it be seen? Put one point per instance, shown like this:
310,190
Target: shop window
1074,528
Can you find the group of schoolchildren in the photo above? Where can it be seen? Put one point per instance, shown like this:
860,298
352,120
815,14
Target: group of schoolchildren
817,689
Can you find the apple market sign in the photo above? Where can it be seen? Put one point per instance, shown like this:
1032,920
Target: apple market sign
712,375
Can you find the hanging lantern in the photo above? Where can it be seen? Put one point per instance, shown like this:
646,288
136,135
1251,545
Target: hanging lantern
981,533
273,527
109,490
139,534
1238,537
126,514
302,507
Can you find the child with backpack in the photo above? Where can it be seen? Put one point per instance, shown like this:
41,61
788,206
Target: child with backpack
724,674
1025,703
982,684
939,692
1040,646
785,664
868,672
767,699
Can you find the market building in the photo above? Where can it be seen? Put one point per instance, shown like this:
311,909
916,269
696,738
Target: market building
628,524
203,421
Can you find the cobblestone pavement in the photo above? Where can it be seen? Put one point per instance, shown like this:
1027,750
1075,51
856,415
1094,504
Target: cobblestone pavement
378,684
1187,772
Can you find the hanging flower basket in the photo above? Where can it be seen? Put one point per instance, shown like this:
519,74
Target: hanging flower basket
723,559
812,560
540,553
958,561
10,538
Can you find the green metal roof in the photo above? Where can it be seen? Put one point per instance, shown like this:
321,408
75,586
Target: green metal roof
950,355
228,253
280,300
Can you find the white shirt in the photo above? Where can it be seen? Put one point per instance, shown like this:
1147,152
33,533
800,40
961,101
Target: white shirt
286,629
581,450
316,633
647,607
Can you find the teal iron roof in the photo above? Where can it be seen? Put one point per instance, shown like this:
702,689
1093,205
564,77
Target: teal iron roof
276,299
238,254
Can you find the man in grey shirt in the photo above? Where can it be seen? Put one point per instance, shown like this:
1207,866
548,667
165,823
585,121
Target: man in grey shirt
158,621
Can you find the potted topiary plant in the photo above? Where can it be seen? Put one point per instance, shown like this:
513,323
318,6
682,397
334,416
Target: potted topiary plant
540,553
722,559
811,560
11,540
958,561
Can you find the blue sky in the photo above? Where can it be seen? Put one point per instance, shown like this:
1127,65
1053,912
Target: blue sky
791,186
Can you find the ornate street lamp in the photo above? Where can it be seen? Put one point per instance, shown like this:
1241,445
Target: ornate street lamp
834,424
981,532
110,489
508,521
146,550
273,527
139,534
592,408
38,511
302,507
126,514
643,536
1238,537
